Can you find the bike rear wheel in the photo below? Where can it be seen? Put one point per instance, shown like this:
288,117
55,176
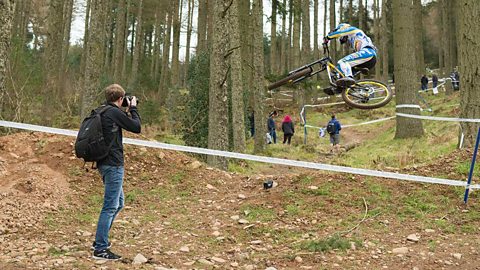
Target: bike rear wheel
291,78
367,94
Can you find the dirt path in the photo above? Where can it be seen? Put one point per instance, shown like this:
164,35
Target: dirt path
183,215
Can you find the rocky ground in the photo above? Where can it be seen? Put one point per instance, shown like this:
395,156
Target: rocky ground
181,214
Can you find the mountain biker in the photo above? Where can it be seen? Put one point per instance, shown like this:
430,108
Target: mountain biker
364,56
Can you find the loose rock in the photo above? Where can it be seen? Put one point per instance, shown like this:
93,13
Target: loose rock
139,259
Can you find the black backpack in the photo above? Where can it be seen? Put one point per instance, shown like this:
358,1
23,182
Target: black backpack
90,144
331,129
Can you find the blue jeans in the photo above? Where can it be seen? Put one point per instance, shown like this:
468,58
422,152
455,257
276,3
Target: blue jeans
273,133
113,202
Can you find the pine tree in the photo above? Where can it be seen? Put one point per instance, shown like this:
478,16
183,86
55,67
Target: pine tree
6,17
468,45
218,100
138,46
273,38
120,40
405,79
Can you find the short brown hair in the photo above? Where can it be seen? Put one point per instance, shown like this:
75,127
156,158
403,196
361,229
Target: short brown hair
113,92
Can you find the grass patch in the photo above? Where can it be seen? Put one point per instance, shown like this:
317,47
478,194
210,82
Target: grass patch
258,213
331,243
464,168
133,195
53,251
177,178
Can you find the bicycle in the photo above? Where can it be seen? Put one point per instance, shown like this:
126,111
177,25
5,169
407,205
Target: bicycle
364,94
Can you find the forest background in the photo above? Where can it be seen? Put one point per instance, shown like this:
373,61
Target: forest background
200,67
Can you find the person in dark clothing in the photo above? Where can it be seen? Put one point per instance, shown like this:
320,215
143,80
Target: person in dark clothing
435,80
271,126
251,119
288,129
112,167
334,134
424,82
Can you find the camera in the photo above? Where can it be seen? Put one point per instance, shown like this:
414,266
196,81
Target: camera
129,97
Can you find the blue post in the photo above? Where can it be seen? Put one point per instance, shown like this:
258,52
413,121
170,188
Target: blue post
305,125
472,166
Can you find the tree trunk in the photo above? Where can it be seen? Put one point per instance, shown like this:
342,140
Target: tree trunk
376,12
210,27
7,9
290,59
125,47
316,53
306,55
297,19
360,15
350,10
273,39
246,49
325,17
120,39
238,120
417,13
202,26
109,29
218,100
138,46
164,76
68,10
258,79
94,63
384,42
177,18
468,45
53,51
283,44
191,9
85,37
405,80
333,45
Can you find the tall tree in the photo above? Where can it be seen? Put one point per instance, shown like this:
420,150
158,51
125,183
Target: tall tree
306,54
418,30
202,26
138,46
316,53
405,80
284,43
94,52
6,17
350,10
53,51
177,18
191,9
333,45
376,18
125,48
119,41
218,98
273,39
258,78
325,16
297,19
67,19
238,121
361,15
468,46
164,76
384,41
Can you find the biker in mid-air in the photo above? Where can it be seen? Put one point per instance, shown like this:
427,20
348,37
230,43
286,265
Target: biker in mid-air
365,55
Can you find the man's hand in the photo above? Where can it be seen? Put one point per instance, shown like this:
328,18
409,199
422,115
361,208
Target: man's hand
133,102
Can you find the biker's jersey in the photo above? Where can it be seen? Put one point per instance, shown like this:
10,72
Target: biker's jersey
356,37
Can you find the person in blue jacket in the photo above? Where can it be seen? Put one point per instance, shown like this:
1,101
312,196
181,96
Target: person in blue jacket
333,129
364,56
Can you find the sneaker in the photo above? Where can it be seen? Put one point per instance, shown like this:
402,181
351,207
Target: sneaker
345,82
93,246
105,254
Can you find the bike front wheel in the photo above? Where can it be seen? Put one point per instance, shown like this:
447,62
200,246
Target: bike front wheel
367,94
291,78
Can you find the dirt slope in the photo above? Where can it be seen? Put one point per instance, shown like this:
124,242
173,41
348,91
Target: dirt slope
181,214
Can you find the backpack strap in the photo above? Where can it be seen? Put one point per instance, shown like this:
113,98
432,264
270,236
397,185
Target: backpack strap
103,108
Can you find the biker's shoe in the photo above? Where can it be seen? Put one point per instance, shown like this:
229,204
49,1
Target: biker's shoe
345,82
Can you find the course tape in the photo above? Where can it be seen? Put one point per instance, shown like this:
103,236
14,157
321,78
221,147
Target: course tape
270,160
412,106
359,124
435,118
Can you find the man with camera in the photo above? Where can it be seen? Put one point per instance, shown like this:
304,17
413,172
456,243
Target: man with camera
112,166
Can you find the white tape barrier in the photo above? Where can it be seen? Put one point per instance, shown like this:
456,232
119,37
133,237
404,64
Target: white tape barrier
431,89
411,106
270,160
434,118
359,124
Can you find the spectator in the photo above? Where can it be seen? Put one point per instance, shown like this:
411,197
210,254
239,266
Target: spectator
251,119
435,84
288,129
271,126
424,82
333,129
112,167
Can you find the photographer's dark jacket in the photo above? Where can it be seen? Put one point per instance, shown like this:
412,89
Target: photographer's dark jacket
113,121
